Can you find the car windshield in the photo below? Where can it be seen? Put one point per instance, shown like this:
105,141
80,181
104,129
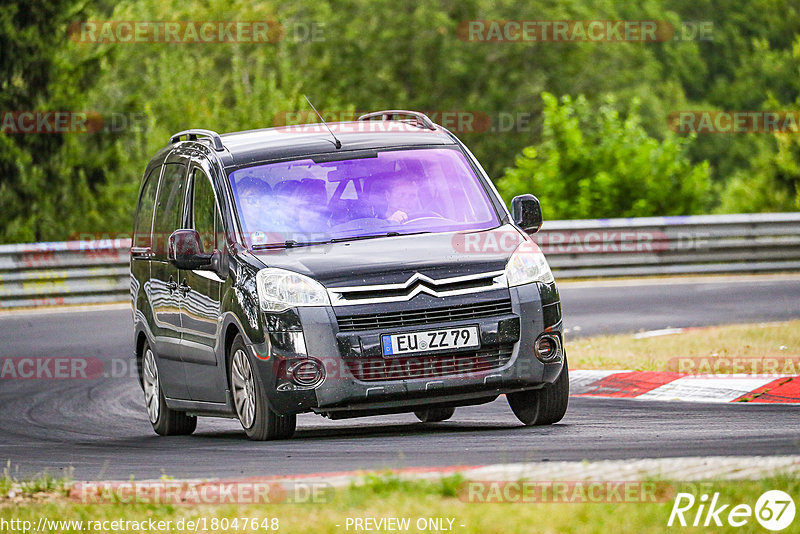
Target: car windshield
389,193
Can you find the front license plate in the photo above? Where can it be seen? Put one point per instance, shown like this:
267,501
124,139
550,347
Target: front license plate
431,340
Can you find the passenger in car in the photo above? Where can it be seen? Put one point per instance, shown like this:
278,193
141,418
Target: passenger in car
310,202
255,197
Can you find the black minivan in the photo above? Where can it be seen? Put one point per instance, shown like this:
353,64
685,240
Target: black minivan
352,269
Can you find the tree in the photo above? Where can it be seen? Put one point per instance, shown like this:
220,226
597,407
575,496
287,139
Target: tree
593,164
379,55
773,183
33,182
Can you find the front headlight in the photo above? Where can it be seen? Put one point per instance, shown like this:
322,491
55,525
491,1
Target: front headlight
527,264
279,290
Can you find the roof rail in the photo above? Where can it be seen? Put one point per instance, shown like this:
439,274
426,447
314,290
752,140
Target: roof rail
423,121
191,135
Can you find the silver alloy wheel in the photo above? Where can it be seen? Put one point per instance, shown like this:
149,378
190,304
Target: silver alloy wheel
244,390
152,388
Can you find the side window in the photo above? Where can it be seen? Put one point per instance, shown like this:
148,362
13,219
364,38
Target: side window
205,215
169,206
143,224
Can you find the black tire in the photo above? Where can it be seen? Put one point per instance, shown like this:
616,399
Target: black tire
266,424
165,421
543,406
434,415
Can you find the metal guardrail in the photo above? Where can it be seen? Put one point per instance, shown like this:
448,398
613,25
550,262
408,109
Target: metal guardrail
77,272
71,272
697,244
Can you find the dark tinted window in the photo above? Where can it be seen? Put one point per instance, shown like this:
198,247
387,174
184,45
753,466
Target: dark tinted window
169,207
144,213
206,216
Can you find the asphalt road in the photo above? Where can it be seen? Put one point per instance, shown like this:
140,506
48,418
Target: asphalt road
618,307
99,426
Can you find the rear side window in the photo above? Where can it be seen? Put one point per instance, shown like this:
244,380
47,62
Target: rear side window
169,206
143,224
205,215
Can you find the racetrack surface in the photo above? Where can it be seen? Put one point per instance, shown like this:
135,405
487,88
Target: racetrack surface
100,428
613,307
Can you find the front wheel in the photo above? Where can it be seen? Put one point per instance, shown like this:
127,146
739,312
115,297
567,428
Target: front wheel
165,421
543,406
259,421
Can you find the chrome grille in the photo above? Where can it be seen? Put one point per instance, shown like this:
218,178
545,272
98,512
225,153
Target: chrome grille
418,283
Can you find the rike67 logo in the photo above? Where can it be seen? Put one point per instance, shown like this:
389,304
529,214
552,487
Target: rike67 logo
774,510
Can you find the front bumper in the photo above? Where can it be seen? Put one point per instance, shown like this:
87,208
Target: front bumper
505,363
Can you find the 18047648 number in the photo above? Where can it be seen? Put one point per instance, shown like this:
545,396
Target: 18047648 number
217,524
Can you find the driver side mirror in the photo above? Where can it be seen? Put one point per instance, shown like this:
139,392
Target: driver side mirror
186,251
527,213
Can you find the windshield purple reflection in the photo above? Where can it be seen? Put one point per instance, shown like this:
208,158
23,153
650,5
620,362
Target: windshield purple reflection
400,191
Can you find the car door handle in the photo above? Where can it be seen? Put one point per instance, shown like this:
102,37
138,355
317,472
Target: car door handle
142,252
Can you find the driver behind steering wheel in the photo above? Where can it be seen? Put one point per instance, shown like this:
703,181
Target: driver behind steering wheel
402,199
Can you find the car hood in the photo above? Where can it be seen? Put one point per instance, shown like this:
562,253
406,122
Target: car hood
392,260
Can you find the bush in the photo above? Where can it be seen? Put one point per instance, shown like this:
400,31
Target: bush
594,163
771,184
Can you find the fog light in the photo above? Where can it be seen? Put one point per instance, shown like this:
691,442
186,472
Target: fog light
547,348
293,341
306,373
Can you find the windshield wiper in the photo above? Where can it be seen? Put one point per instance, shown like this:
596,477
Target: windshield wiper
373,236
289,243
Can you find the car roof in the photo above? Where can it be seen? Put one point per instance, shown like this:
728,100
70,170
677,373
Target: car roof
284,142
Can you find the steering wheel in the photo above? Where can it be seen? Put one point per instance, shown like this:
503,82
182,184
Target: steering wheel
420,219
362,223
425,216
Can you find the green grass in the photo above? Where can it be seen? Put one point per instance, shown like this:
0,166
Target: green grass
385,484
391,496
42,486
773,343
